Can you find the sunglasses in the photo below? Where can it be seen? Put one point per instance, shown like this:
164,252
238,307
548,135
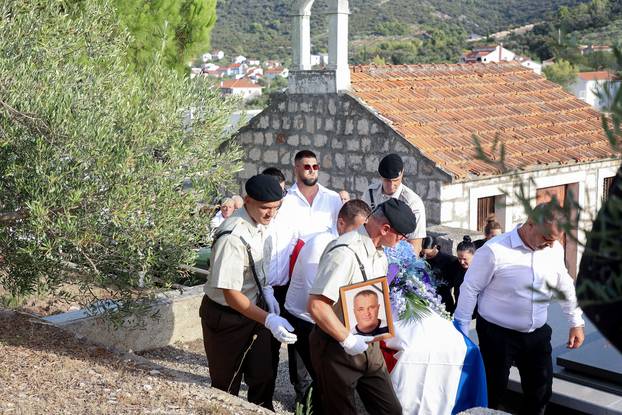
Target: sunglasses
310,167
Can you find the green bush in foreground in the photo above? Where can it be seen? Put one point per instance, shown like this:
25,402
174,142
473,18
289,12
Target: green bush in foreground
93,155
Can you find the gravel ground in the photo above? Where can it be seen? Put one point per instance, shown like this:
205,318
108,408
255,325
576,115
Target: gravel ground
189,358
45,370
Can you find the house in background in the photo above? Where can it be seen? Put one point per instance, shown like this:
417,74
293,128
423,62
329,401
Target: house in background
243,88
218,54
529,63
589,85
587,49
488,54
209,67
276,72
352,116
239,59
254,73
235,69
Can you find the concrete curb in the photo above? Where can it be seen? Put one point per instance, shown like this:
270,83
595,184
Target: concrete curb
177,320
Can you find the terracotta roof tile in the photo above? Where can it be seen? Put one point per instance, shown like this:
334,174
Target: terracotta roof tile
596,76
438,108
239,83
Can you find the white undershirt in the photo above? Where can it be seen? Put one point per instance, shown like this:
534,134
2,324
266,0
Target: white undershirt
304,273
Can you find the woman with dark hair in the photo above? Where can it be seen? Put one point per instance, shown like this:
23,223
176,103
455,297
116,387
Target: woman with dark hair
443,266
492,229
465,251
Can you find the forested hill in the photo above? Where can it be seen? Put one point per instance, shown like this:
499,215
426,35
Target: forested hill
261,28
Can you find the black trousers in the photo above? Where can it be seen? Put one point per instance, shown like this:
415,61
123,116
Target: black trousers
303,329
232,352
531,352
298,374
339,375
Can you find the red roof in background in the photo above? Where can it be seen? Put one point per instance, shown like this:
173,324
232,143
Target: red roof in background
238,83
596,76
438,108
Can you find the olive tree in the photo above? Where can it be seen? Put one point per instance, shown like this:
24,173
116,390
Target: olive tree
93,156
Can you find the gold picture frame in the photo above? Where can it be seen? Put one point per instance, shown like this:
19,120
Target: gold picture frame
365,302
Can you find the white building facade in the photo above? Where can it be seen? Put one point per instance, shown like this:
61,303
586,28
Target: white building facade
590,88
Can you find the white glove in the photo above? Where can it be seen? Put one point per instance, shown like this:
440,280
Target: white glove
280,328
463,326
355,344
273,305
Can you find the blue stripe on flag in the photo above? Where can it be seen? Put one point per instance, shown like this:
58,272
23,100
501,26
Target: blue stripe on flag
472,386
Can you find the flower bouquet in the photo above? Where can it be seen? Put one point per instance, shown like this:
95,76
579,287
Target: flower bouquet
412,286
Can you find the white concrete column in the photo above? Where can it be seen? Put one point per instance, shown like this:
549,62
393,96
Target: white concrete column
301,33
338,43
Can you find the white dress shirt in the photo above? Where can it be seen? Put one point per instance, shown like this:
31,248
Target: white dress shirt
304,273
297,219
406,195
511,285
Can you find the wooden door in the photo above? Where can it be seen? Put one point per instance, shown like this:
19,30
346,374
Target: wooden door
485,209
563,193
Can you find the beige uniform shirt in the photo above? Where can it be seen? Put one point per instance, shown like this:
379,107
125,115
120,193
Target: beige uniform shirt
339,267
406,195
230,267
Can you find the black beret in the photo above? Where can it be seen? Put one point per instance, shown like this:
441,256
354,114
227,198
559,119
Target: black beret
400,216
264,188
390,166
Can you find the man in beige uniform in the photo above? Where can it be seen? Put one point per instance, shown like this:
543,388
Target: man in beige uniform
391,170
239,311
344,361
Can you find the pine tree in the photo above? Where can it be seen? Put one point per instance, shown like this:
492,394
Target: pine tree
177,29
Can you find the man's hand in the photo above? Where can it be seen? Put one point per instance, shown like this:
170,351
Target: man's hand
273,305
575,338
355,344
280,328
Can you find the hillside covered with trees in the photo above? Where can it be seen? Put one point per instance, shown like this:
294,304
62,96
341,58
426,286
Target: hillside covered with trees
598,22
397,31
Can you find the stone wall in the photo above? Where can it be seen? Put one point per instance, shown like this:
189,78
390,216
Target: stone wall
348,138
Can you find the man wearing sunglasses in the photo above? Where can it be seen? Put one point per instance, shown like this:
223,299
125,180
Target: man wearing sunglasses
391,170
344,362
308,209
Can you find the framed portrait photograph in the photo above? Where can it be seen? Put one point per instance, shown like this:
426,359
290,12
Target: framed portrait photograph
367,309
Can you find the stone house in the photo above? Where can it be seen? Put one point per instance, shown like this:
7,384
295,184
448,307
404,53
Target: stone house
352,116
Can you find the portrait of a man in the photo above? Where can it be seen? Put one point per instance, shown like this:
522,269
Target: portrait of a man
366,309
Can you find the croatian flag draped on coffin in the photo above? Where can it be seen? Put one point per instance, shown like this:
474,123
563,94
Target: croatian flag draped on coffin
434,368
